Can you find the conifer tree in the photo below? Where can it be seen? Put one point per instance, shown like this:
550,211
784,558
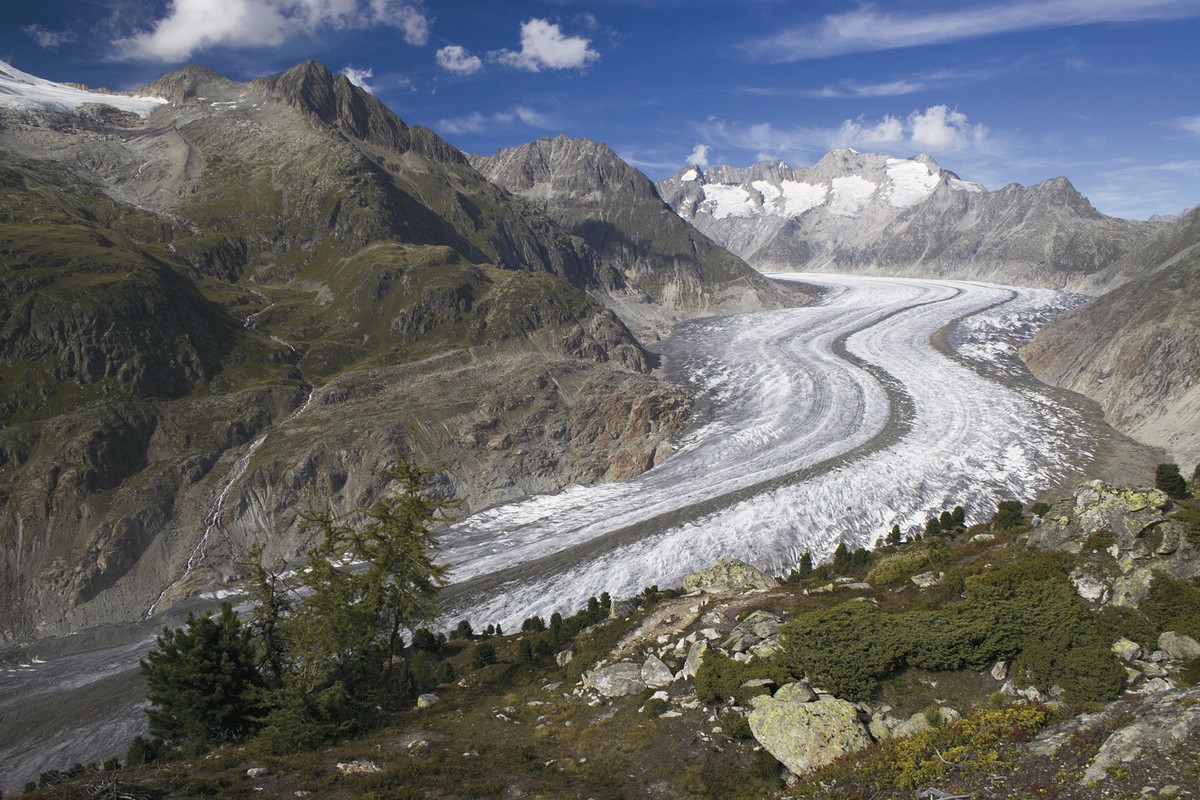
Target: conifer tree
895,537
201,680
806,564
1168,479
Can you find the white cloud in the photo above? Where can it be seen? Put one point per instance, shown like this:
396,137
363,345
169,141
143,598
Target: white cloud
869,29
458,59
941,129
885,89
191,25
543,46
476,122
937,129
1189,124
359,77
46,38
699,155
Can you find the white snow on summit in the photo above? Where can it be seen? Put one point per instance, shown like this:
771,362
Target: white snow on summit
912,182
724,201
690,175
21,90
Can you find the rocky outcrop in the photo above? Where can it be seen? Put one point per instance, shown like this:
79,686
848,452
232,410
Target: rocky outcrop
806,735
616,680
1162,723
728,575
1134,526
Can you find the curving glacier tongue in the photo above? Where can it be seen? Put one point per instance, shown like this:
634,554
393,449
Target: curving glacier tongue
829,423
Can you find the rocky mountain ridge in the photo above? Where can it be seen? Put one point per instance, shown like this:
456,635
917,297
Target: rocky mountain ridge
586,188
1136,350
871,213
256,290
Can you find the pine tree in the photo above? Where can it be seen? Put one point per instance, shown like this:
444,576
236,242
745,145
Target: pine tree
958,517
1008,515
841,558
201,680
806,564
895,537
1168,479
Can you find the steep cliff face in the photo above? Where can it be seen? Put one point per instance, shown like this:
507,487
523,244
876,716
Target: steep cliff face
1136,350
590,191
216,303
872,213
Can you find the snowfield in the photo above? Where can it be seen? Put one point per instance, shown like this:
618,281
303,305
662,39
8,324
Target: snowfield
21,90
830,422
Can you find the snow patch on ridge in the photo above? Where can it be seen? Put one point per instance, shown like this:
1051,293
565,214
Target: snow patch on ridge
20,90
690,175
728,201
912,182
851,195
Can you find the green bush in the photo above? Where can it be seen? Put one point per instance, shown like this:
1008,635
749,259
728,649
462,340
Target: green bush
655,706
1168,479
736,726
1172,605
483,655
897,567
1101,540
1116,622
844,650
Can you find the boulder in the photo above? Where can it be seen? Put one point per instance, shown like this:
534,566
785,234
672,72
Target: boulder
618,680
768,648
805,736
656,674
695,658
1127,650
728,575
1178,646
1000,670
426,700
913,725
761,623
1089,587
925,580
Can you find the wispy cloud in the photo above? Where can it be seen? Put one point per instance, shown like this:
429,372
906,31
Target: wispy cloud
884,89
47,38
477,122
869,29
1189,124
192,25
699,155
457,59
544,46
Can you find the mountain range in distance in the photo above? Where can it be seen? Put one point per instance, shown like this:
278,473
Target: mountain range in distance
250,291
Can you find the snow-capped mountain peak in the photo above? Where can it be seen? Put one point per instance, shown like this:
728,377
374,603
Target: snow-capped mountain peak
23,91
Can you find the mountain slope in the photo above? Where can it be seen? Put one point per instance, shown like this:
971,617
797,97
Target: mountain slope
590,191
1136,350
876,214
216,305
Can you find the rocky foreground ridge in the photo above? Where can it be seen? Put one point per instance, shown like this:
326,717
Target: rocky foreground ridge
743,685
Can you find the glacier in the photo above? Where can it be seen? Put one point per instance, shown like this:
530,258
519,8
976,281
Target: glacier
830,423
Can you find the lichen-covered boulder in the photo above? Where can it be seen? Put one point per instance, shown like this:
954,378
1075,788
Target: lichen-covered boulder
1098,506
616,680
805,736
695,658
728,575
1164,722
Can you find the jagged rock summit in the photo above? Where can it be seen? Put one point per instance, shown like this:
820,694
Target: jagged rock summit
873,213
589,190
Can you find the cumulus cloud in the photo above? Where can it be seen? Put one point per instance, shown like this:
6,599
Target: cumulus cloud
359,77
47,38
476,122
699,155
868,29
457,59
191,25
937,129
543,46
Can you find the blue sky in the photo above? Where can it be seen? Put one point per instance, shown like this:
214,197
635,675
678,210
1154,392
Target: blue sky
1106,92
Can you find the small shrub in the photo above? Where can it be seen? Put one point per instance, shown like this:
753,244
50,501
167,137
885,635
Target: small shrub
1116,622
1190,674
1040,508
1172,605
655,707
897,567
736,726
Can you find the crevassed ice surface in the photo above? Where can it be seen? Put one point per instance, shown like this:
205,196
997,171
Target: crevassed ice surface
766,478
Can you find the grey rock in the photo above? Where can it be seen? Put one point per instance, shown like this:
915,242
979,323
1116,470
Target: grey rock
799,692
257,772
768,648
358,767
617,680
1127,650
1179,646
913,725
695,657
926,579
656,674
1000,670
427,700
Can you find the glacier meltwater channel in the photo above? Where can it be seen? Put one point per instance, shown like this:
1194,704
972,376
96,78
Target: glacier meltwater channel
829,422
